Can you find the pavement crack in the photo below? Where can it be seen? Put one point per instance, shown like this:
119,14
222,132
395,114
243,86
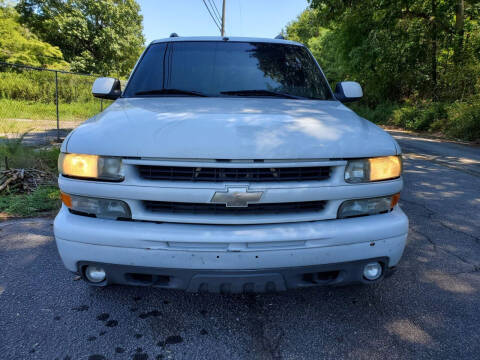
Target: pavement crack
426,237
474,270
477,239
431,215
437,247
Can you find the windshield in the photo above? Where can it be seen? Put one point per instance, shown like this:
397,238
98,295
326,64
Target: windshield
222,68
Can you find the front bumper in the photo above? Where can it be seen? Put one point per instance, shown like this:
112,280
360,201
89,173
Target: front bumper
215,255
238,281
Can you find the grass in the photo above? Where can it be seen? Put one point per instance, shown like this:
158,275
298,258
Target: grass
28,157
45,198
75,111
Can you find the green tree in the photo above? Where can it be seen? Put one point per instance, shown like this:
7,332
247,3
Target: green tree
95,36
19,45
397,49
418,60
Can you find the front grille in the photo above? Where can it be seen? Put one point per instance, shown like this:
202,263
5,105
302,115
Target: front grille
213,174
252,209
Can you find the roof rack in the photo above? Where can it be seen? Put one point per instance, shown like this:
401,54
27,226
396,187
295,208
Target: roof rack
173,35
280,37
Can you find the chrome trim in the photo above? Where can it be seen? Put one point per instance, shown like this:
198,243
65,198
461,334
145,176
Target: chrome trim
236,196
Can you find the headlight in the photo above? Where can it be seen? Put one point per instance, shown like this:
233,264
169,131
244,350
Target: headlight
90,167
100,208
373,169
362,207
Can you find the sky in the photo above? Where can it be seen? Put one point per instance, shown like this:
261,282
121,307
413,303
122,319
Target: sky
252,18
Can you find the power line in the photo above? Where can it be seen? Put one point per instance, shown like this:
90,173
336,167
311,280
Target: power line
216,9
213,7
213,18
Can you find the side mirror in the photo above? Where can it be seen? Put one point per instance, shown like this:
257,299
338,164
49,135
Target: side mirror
107,88
348,91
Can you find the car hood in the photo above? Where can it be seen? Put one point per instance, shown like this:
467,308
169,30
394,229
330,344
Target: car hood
229,128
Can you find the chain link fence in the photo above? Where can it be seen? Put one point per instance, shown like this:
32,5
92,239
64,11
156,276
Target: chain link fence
43,105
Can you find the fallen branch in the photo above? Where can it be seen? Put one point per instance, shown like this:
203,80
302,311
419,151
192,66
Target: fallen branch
8,181
25,180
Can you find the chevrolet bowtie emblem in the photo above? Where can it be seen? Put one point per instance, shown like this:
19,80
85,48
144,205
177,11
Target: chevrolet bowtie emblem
236,197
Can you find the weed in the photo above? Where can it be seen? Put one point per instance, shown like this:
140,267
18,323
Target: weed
43,199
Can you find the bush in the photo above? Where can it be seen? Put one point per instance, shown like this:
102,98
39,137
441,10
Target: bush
379,115
30,94
418,118
33,85
459,120
464,120
27,157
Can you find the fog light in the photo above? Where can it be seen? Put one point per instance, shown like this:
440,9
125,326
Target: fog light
95,274
372,271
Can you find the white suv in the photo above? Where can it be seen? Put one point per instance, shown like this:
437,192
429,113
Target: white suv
229,165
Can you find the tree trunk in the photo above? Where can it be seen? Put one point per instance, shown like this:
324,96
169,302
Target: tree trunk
434,49
459,28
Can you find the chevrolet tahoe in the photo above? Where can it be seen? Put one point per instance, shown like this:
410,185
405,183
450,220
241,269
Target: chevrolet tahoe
229,165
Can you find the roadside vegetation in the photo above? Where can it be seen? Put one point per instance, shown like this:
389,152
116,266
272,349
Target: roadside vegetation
417,61
22,109
456,120
98,37
45,200
29,36
30,94
27,179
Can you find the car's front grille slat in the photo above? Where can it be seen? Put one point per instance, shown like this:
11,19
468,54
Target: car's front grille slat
215,209
252,209
214,174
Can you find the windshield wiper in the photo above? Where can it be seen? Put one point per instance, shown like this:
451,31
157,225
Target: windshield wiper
260,93
170,92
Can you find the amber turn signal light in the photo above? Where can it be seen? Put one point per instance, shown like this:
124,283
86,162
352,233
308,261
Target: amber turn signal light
394,201
66,199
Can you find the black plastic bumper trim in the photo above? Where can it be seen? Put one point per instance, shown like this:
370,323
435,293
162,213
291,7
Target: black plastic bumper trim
237,281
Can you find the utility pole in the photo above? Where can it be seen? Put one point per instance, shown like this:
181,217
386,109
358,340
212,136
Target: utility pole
222,31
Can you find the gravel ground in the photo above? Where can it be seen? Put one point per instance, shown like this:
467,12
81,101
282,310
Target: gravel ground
429,309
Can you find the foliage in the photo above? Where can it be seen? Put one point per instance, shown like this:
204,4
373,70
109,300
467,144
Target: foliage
460,120
43,199
39,86
11,147
30,94
95,36
464,120
29,157
14,201
413,58
19,45
31,110
396,49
